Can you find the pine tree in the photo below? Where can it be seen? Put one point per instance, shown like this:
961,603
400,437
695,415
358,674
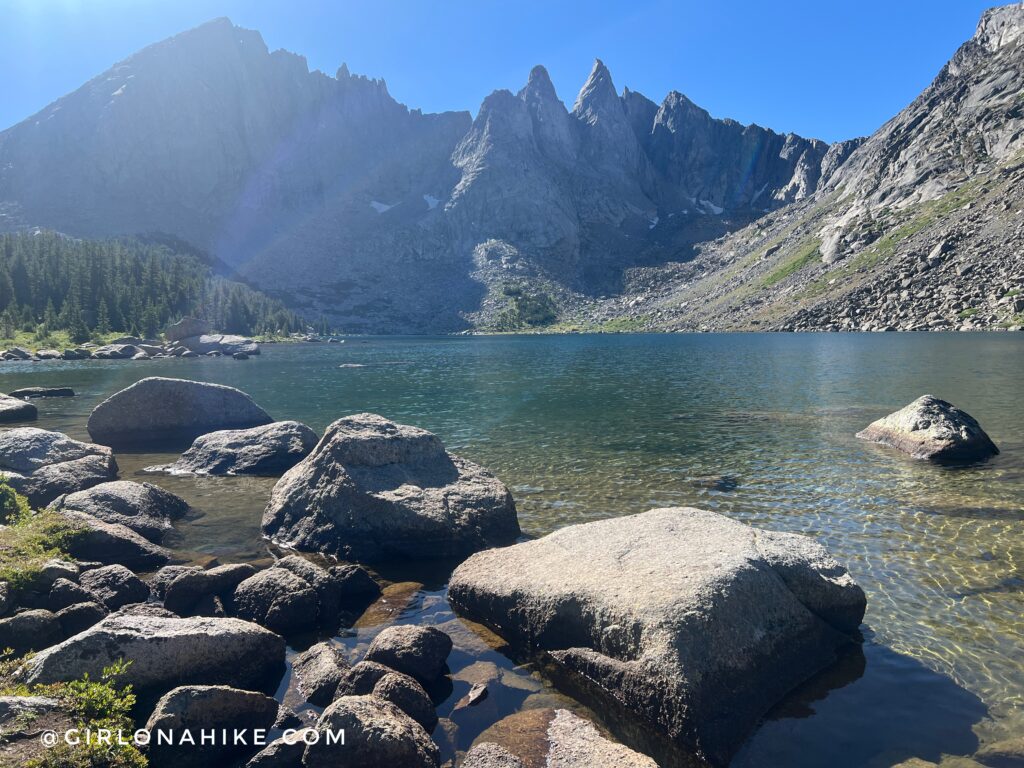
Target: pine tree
102,319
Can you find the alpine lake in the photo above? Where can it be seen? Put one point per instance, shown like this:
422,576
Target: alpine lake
759,427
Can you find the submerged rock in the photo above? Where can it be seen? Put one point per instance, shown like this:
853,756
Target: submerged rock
145,508
166,652
377,735
43,465
549,737
157,410
15,409
930,428
32,392
692,621
269,450
372,489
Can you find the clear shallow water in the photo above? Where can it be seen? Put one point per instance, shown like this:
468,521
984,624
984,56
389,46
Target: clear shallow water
759,427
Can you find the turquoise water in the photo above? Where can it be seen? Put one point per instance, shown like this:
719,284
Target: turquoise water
757,426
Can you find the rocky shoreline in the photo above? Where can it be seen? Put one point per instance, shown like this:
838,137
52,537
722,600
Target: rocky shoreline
697,654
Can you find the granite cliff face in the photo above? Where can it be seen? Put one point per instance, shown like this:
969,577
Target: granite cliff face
918,227
330,194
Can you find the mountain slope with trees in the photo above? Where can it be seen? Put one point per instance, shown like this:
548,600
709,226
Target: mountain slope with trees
91,288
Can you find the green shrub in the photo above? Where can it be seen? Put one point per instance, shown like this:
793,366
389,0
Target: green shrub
14,507
31,539
92,705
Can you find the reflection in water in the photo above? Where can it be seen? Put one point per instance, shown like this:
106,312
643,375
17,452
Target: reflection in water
878,707
758,427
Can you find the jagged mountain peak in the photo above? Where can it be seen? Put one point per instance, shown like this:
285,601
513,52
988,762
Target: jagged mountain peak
329,191
597,95
539,83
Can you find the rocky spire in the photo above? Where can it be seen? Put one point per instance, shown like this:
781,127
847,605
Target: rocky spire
597,98
606,137
550,119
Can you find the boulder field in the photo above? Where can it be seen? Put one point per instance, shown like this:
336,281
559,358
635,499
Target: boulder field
693,621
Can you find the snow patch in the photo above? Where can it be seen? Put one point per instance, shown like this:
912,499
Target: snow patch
119,91
712,207
431,201
380,207
653,223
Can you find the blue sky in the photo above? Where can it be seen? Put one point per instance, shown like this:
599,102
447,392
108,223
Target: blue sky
826,68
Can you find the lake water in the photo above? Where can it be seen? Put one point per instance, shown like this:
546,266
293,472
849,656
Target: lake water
758,427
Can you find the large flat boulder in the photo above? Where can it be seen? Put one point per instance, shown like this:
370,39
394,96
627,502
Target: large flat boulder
158,411
373,490
930,428
15,409
145,508
692,621
43,465
269,450
167,652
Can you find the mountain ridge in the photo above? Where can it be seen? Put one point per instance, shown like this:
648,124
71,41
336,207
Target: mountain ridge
333,196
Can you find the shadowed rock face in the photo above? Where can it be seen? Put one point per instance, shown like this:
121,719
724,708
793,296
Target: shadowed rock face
695,622
373,489
157,411
930,428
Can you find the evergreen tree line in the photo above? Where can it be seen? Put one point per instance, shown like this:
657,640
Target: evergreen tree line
50,282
